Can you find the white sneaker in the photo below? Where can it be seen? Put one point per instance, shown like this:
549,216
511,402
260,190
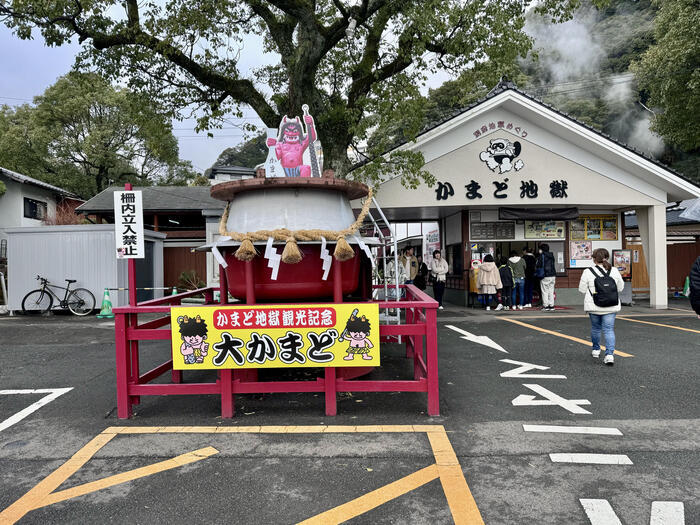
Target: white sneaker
528,305
520,307
488,308
440,307
499,307
609,359
595,353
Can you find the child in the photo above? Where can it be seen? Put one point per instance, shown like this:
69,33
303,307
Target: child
193,333
506,273
357,328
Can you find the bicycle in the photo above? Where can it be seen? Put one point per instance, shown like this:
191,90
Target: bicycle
79,301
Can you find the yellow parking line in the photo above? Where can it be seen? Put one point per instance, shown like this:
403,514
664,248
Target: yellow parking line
659,324
681,309
35,496
371,500
569,337
130,475
459,497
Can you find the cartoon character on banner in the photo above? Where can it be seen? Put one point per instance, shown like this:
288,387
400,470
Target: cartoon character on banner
292,149
193,333
500,154
357,332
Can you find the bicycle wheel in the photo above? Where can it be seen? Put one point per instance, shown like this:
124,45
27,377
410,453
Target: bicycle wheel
81,301
37,302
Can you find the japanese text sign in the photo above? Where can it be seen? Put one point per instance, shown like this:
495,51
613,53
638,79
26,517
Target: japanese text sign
128,224
275,336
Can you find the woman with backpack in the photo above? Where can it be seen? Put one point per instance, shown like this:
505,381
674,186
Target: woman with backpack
601,285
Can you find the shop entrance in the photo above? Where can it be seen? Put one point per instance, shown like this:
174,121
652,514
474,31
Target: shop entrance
500,249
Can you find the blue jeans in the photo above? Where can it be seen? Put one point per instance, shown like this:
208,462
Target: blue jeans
606,324
519,286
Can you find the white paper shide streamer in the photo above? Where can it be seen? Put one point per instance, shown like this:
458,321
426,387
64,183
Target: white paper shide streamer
326,258
273,258
216,253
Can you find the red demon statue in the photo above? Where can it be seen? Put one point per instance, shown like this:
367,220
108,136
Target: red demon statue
291,144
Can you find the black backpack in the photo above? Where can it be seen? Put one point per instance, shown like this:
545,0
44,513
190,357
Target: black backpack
605,289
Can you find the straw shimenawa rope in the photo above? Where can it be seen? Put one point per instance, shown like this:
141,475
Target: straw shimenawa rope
291,254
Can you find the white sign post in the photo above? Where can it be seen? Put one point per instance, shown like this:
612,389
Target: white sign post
128,224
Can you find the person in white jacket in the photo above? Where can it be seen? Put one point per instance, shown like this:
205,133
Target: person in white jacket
438,269
602,317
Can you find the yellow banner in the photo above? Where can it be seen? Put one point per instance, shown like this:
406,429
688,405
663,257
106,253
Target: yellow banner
274,336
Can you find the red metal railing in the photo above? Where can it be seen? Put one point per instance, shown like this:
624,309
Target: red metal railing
418,330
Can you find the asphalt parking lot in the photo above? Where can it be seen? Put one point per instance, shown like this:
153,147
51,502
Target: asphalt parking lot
508,405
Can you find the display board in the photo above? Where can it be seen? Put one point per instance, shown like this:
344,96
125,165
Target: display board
491,230
545,229
281,336
593,228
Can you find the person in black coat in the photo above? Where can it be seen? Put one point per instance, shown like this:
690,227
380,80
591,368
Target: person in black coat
546,270
421,280
530,263
507,280
695,286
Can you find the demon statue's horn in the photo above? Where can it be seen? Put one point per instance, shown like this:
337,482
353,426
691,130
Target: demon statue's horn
284,119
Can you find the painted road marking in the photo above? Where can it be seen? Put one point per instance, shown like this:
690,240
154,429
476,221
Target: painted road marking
478,339
597,459
567,429
569,337
371,500
459,498
659,324
52,394
550,398
130,475
599,512
524,367
667,513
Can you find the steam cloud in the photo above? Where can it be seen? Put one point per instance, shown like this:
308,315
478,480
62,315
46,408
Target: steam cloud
570,57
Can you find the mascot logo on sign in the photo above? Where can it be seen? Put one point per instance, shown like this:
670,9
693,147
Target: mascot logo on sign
292,147
501,154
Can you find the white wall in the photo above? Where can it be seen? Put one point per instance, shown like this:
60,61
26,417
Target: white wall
12,204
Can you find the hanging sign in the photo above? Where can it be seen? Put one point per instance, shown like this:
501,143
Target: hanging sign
286,336
128,224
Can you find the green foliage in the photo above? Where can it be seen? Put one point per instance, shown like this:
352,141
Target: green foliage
669,73
83,135
189,280
247,154
185,54
3,188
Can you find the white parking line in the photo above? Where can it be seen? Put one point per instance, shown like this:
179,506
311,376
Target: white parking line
600,512
667,513
598,459
53,393
566,429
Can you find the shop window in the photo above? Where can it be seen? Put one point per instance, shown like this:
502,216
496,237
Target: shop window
34,209
593,228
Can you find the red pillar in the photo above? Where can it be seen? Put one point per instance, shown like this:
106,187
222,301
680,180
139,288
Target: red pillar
432,361
122,367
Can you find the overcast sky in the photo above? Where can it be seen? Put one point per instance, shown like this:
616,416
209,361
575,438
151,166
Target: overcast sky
28,67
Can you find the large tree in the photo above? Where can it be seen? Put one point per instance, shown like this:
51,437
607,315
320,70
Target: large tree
358,64
83,134
669,72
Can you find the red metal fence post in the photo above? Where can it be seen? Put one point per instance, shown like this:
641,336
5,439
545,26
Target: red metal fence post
122,367
432,364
